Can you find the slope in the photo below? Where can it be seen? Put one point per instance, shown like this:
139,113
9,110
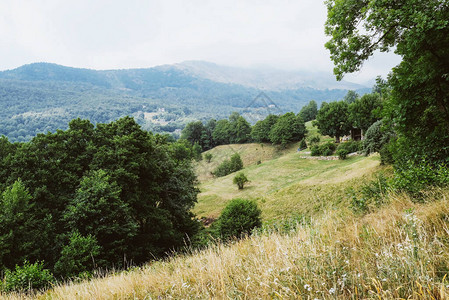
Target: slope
282,183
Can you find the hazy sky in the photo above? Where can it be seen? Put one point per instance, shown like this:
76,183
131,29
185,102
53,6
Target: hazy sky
112,34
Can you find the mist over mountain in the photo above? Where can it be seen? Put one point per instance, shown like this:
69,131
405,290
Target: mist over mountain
43,97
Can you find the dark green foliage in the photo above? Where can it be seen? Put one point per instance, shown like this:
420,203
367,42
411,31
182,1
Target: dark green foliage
365,111
288,128
325,149
208,157
239,217
375,138
98,209
342,153
333,119
240,180
416,177
196,149
27,277
309,112
350,146
78,256
418,103
303,144
131,191
314,139
260,132
20,231
229,166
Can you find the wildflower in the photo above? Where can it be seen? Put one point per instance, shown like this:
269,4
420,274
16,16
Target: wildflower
332,291
307,287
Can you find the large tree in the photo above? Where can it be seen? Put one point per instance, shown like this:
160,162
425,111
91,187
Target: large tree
288,128
365,111
333,119
419,31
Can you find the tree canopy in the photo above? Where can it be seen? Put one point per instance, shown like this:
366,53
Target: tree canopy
419,32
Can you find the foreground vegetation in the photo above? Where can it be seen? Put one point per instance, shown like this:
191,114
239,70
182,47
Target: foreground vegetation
398,251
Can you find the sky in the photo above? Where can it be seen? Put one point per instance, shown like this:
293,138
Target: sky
118,34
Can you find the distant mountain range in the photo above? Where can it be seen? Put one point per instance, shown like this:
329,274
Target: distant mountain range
43,97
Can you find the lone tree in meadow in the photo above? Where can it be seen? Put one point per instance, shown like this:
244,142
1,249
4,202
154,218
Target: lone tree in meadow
240,180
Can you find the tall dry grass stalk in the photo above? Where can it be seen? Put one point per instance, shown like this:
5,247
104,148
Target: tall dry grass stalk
400,251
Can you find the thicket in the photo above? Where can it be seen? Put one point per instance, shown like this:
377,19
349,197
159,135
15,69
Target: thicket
229,166
90,197
325,149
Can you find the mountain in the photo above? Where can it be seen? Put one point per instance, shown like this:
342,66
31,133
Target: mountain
43,97
266,78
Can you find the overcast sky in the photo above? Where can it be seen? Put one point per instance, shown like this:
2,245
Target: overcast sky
113,34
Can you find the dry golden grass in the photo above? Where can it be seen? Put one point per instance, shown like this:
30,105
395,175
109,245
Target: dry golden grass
398,252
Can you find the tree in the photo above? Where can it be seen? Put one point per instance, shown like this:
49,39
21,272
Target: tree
288,128
240,180
221,133
194,132
419,31
333,119
261,130
351,97
365,111
97,209
308,112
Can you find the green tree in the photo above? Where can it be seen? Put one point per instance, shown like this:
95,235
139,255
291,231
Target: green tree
419,31
365,111
261,130
288,128
78,255
333,119
351,97
97,209
195,132
222,134
308,112
240,180
208,157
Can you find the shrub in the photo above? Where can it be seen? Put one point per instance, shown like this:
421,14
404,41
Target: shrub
303,144
314,139
324,149
350,146
376,138
342,153
27,277
78,256
239,217
229,166
208,157
240,180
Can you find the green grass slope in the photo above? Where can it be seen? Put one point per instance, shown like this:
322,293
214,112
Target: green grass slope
283,183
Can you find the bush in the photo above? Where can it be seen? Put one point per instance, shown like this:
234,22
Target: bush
27,277
208,157
239,217
413,178
376,138
323,150
351,146
314,139
240,180
303,144
229,166
342,153
78,256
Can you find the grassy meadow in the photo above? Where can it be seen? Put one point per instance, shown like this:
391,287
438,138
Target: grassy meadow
397,252
312,244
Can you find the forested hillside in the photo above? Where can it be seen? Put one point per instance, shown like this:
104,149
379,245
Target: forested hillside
44,97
